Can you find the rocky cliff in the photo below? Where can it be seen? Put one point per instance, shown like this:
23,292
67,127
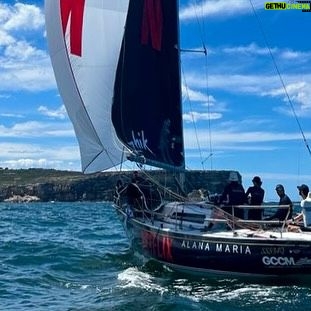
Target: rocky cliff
52,185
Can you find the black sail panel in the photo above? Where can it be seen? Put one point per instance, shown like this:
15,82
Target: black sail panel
146,110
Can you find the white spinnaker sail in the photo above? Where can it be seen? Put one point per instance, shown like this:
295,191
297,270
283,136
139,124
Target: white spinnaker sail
86,81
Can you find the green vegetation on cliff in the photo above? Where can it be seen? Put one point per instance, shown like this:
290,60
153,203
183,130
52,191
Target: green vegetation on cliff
36,175
54,185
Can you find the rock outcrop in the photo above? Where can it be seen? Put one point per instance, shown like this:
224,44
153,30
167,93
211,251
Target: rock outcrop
22,199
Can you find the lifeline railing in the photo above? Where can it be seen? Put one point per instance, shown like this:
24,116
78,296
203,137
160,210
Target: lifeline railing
261,222
231,220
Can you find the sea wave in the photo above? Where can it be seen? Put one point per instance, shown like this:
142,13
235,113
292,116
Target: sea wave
76,256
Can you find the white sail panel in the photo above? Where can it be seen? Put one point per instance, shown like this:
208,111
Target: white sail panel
86,81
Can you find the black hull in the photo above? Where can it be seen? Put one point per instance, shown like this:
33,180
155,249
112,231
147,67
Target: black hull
208,253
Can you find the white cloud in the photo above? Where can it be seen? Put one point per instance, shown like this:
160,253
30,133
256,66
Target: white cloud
252,48
57,114
226,138
23,66
218,8
5,38
23,155
21,51
12,115
27,76
20,16
280,54
196,116
299,93
298,87
289,54
194,95
37,129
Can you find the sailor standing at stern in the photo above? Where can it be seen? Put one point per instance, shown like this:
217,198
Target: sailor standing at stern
305,204
255,195
233,195
282,213
305,214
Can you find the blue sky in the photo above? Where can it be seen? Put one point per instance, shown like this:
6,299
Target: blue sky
234,96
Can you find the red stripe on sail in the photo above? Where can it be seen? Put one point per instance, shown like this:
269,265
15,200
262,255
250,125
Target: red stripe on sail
152,23
73,9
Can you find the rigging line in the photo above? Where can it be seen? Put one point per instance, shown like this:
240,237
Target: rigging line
191,108
159,185
201,24
192,115
281,79
122,158
162,187
194,51
188,96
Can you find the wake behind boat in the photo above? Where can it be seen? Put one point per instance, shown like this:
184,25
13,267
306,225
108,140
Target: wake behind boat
125,103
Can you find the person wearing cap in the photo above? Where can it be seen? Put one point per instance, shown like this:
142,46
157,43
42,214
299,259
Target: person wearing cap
255,195
282,213
233,194
305,205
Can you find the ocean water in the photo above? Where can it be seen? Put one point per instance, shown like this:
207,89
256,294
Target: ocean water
75,256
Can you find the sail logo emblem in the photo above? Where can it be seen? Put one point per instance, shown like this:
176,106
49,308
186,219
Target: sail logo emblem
304,6
139,142
73,10
152,24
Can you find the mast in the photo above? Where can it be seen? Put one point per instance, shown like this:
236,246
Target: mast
182,175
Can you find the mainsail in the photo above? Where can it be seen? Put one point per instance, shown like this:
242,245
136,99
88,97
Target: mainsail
84,38
146,110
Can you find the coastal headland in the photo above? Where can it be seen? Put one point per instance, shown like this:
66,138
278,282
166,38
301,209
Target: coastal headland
44,185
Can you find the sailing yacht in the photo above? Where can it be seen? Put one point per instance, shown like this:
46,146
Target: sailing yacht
117,67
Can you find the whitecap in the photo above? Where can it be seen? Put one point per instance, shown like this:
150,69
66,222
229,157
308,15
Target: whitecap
133,278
